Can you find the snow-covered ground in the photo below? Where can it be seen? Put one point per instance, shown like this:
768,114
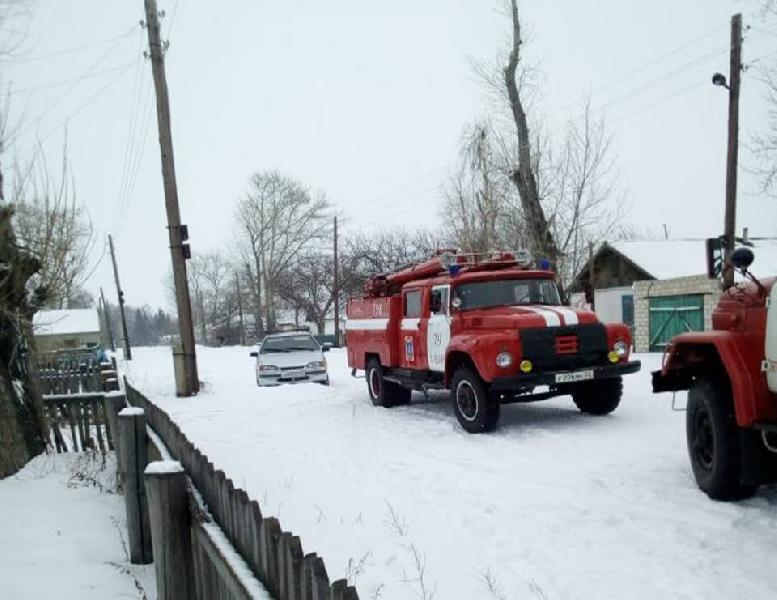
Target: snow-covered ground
62,533
404,503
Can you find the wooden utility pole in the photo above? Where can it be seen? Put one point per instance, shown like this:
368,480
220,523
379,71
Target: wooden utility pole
735,70
120,294
107,318
176,232
240,309
336,292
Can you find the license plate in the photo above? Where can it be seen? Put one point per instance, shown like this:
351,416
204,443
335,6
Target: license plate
573,377
293,374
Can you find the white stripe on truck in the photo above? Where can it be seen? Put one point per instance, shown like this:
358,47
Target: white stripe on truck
366,324
551,318
570,316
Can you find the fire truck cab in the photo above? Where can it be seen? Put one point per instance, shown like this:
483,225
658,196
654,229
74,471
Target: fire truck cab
731,375
492,329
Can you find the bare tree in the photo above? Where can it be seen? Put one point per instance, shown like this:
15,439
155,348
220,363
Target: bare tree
585,204
364,255
278,219
475,196
53,227
23,426
524,174
308,287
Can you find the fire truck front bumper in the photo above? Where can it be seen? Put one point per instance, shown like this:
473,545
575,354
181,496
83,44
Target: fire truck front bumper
558,380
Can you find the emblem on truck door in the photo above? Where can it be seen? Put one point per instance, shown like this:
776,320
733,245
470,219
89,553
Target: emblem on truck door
409,353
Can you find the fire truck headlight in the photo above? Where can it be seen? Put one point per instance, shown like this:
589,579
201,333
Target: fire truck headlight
504,360
621,348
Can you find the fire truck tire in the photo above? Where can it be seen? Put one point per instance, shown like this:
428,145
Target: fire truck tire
476,411
384,393
598,397
713,441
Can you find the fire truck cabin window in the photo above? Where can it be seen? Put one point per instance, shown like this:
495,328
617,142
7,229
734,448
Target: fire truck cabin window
439,301
508,292
413,304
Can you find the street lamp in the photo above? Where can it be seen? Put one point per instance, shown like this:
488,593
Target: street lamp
720,79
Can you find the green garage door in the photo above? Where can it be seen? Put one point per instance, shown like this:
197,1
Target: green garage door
670,315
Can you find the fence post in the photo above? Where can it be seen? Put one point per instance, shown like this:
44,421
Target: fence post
134,455
170,530
114,403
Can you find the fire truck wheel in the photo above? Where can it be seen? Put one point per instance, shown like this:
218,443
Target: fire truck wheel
474,408
713,441
598,397
384,393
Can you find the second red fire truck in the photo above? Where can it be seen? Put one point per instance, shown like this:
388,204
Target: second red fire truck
492,329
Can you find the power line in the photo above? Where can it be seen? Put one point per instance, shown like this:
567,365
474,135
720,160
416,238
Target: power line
22,60
641,69
73,85
80,108
130,141
70,80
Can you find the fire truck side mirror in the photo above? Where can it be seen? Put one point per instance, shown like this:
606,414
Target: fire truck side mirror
742,258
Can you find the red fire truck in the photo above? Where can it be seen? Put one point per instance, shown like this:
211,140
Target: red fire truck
492,329
731,375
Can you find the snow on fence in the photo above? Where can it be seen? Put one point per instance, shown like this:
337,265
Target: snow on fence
232,543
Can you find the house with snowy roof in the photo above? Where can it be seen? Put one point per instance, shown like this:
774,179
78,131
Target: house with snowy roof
66,329
658,288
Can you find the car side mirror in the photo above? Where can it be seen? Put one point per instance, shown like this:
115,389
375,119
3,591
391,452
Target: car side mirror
254,354
326,347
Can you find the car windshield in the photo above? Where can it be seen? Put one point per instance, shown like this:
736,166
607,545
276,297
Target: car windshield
289,343
507,292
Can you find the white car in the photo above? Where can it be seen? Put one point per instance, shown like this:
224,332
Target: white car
290,357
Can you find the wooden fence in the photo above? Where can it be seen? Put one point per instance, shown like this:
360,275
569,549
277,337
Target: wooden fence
84,415
73,389
275,557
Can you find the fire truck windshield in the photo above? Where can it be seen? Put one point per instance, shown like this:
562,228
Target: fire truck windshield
506,292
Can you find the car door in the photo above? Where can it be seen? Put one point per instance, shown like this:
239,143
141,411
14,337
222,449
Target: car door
438,327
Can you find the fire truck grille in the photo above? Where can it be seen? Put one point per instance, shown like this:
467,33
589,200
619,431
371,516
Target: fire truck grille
561,348
567,344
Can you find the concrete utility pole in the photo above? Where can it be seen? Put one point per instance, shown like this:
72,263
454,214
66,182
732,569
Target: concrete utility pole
240,309
178,233
336,292
735,70
120,294
107,318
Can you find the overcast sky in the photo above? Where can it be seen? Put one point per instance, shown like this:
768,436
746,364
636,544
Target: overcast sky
366,100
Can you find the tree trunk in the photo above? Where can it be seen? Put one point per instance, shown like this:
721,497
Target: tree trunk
22,423
523,177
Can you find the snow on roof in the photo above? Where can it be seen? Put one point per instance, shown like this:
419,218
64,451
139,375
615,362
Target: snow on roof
65,322
668,259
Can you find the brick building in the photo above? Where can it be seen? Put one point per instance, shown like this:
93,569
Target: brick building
658,288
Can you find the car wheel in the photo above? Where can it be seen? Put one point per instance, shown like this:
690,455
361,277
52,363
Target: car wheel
713,441
476,411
